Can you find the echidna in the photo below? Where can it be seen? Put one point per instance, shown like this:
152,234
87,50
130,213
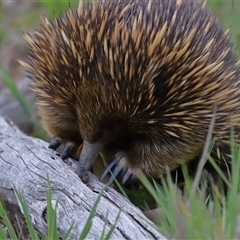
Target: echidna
135,81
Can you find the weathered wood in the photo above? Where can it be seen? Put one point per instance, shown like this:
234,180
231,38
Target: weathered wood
25,163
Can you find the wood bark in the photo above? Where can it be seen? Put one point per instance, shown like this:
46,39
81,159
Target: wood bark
25,163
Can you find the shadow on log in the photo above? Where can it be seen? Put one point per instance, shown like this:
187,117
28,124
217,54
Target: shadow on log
25,163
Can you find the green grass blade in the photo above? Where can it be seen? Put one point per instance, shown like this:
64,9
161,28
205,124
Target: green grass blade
26,214
107,237
146,183
51,215
68,232
219,171
7,222
121,188
3,235
104,226
88,223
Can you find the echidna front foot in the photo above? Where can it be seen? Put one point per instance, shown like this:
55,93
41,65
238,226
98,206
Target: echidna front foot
55,142
67,149
118,168
89,152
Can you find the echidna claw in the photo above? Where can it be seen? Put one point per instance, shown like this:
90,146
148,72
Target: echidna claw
66,149
116,168
108,168
55,142
127,176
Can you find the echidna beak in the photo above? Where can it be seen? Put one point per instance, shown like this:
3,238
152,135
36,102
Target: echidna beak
87,156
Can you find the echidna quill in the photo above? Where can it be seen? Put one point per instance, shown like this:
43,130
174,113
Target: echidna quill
136,81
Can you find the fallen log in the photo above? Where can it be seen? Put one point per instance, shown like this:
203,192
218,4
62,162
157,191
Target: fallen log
25,162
